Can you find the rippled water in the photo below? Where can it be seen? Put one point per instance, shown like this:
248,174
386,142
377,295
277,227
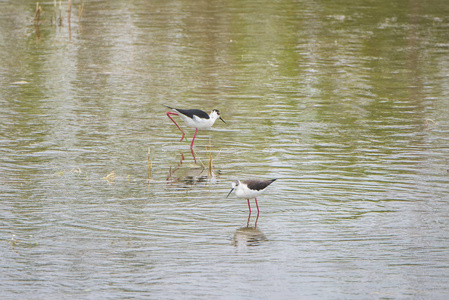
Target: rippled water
346,104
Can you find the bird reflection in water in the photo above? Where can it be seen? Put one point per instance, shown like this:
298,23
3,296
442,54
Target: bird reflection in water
248,236
249,219
191,175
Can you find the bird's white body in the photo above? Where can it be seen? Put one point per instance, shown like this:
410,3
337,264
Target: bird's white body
200,123
242,191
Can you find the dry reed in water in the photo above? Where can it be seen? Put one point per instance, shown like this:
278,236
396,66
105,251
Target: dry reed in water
430,121
110,177
38,14
36,22
211,159
198,158
69,13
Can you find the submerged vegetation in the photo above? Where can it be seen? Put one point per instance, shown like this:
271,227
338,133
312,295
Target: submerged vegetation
192,174
56,17
187,173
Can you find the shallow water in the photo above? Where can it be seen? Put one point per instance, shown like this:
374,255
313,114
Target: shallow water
332,98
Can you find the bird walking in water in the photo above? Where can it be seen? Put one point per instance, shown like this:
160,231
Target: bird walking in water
249,189
195,118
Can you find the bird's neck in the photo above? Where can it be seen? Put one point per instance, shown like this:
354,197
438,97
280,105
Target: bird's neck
212,118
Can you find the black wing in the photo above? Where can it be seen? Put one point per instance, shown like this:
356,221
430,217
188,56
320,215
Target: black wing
191,112
258,184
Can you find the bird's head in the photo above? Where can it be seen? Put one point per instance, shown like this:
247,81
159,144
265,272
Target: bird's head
234,184
215,114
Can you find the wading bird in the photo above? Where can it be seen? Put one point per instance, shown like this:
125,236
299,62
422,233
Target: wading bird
194,118
249,189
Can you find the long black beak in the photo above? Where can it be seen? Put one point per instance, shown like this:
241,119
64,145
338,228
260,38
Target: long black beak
230,192
222,120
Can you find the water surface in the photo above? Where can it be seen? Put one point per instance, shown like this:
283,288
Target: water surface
346,103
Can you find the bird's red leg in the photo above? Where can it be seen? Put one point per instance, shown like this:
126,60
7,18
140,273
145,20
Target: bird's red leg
249,207
191,145
257,205
171,113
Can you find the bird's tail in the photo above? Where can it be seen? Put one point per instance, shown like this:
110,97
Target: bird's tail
168,106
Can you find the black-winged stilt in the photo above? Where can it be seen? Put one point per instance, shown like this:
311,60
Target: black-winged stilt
195,118
249,189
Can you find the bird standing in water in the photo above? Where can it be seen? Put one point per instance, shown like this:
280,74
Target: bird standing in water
195,118
249,189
